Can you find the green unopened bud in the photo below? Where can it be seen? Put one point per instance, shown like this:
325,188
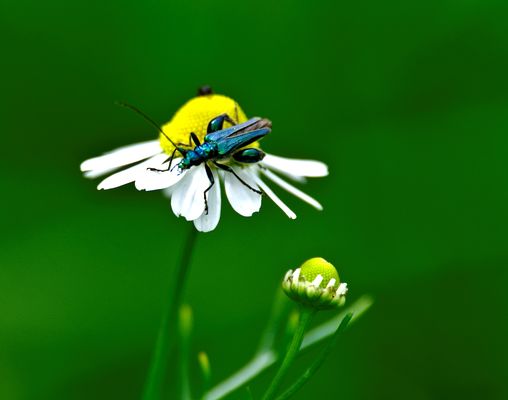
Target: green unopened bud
185,320
315,284
204,364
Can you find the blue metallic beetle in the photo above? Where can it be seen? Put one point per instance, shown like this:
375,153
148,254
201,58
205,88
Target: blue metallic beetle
222,144
219,144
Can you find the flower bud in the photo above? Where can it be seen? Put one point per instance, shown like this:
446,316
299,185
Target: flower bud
315,284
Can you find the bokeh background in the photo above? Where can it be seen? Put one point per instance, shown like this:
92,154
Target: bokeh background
407,103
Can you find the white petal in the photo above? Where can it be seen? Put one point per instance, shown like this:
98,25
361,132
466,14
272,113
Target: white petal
296,274
187,198
317,280
120,157
208,222
130,174
168,192
155,180
291,189
288,274
295,178
95,173
243,200
310,168
274,198
341,290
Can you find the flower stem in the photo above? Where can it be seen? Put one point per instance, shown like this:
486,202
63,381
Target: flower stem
305,317
309,372
167,330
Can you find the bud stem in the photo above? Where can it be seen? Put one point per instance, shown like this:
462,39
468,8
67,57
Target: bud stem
306,315
318,362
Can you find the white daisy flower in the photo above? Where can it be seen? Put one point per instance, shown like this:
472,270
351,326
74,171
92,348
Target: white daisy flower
147,165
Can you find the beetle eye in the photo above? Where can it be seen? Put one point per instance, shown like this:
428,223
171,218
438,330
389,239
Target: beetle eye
205,90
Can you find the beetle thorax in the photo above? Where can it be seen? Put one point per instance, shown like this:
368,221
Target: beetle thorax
194,116
198,155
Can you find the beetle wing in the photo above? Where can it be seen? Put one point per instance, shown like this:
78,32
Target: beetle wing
231,131
241,139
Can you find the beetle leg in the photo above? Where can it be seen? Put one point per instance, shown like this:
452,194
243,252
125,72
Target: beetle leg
209,174
195,139
217,123
190,141
170,159
229,119
229,169
249,155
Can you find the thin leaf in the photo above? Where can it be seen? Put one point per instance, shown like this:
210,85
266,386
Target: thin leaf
309,372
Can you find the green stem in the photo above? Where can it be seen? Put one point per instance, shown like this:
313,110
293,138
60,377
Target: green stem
309,372
265,359
167,330
305,317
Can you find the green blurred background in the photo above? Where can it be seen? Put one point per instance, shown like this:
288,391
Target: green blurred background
405,101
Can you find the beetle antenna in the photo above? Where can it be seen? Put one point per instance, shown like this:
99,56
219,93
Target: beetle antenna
147,118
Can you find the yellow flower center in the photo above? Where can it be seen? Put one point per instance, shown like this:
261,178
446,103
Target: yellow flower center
195,115
310,269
